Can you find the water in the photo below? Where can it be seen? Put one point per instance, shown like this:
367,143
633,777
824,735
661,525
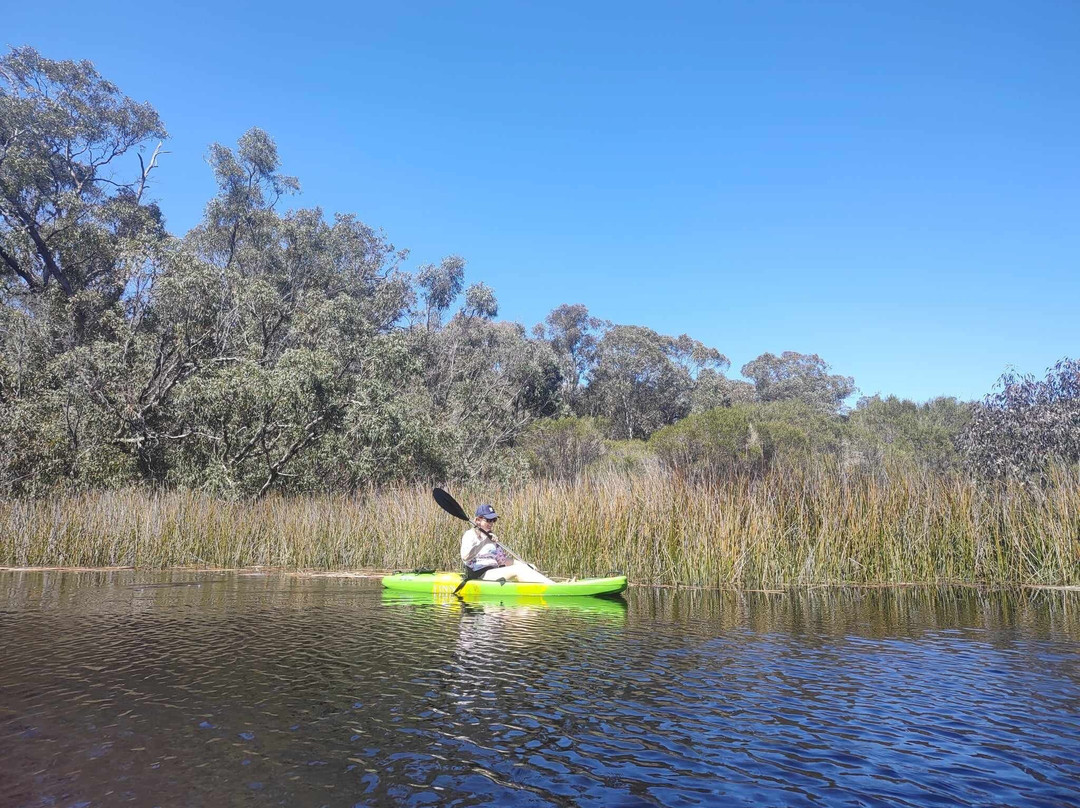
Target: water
186,689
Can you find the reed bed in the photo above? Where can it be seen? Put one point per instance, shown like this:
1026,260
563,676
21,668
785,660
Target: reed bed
793,526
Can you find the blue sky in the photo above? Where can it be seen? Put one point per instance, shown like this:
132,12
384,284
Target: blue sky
892,185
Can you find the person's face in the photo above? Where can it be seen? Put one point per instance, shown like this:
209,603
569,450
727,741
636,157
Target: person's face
485,523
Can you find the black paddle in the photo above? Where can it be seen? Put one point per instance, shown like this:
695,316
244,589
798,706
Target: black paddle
451,505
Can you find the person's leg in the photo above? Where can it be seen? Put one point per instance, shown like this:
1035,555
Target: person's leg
518,571
523,572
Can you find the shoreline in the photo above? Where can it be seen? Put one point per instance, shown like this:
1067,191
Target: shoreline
249,571
791,529
378,573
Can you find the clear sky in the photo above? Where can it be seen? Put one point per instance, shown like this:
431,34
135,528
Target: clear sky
892,185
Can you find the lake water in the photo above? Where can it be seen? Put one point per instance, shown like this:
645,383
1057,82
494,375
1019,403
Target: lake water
200,689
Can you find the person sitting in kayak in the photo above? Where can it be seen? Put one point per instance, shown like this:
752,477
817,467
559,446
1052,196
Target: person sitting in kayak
488,560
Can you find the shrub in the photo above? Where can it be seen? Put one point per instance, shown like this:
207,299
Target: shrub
1028,425
561,448
708,444
892,428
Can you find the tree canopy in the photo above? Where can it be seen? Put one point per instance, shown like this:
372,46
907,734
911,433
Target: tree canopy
69,214
284,348
799,376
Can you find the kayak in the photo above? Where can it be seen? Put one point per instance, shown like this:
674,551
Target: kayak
447,582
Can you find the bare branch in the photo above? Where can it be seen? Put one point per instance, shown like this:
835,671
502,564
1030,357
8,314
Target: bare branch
310,434
146,169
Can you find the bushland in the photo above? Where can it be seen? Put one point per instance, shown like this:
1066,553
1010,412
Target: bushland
281,386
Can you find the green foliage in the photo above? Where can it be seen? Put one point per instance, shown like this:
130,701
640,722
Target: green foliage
488,381
391,431
572,333
272,349
708,444
291,317
440,285
891,428
745,437
480,302
795,428
798,376
65,217
713,389
562,448
642,380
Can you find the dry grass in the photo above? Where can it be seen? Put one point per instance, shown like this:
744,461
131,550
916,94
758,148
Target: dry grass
793,526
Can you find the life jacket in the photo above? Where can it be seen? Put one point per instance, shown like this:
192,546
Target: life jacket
476,564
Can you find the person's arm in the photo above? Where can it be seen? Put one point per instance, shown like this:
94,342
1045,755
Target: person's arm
469,540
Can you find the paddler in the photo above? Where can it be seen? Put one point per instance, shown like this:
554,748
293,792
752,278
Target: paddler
487,559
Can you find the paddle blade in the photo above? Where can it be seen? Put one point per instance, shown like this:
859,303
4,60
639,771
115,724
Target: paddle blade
449,504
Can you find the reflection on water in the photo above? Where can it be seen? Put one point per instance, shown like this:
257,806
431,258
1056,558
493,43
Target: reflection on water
518,605
211,689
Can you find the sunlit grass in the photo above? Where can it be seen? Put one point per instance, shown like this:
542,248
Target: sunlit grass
800,525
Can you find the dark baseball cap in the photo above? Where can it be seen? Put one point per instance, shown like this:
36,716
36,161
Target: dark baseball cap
487,512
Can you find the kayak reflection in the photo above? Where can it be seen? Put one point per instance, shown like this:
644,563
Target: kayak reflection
499,643
520,604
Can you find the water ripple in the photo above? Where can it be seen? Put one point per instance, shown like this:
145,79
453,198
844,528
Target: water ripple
183,689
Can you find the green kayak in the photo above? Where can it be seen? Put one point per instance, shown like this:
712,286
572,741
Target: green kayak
447,582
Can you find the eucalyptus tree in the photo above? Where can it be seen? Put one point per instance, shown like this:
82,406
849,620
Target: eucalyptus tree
78,242
282,318
492,382
573,334
480,302
401,422
713,389
390,432
440,286
805,377
69,214
643,380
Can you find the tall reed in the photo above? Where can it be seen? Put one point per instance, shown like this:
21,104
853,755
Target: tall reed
795,525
